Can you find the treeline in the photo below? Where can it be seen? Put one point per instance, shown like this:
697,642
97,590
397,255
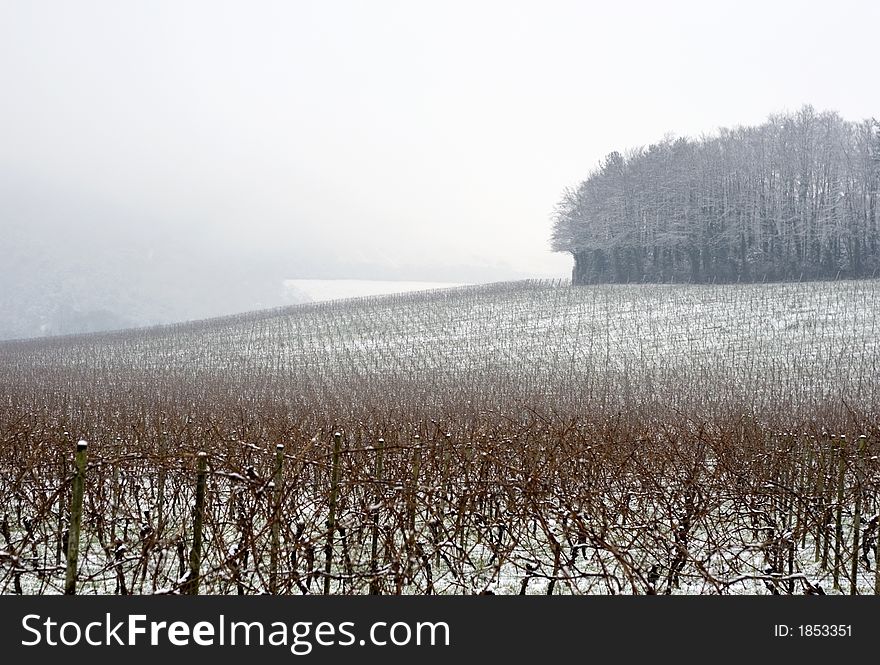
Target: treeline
793,198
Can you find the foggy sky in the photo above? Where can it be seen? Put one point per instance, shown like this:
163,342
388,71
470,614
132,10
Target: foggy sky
411,135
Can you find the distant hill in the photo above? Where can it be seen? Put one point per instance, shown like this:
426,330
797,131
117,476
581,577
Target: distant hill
57,281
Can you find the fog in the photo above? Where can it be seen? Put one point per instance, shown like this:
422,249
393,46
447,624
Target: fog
169,160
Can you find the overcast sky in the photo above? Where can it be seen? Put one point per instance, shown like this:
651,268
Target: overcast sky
390,132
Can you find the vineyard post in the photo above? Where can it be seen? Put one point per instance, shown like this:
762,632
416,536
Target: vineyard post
414,483
468,457
331,514
374,514
786,500
806,449
826,500
877,559
815,471
446,499
876,543
774,491
160,507
191,586
114,489
795,457
857,517
411,505
76,502
275,497
838,518
59,543
447,448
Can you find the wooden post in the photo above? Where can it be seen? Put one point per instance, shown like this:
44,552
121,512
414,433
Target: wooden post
447,451
411,506
804,490
827,467
414,483
195,555
331,515
876,568
76,502
275,496
374,514
819,494
62,507
114,488
160,490
446,499
876,507
838,518
857,517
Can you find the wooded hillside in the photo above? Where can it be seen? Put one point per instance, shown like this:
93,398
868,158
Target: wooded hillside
793,198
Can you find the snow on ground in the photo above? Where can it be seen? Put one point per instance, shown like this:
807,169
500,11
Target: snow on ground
788,354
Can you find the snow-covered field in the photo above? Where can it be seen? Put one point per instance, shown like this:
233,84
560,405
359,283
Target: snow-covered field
608,439
792,349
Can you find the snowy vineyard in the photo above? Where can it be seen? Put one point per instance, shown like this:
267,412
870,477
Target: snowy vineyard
517,438
540,511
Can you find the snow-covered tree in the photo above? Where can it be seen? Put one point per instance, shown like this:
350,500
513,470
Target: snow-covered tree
793,198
